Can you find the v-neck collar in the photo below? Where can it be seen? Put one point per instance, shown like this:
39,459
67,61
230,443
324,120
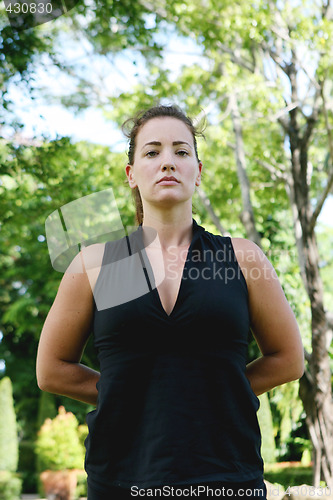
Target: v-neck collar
196,231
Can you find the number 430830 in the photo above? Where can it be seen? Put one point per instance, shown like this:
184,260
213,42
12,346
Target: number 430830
32,8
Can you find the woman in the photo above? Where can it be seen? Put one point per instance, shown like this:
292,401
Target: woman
176,402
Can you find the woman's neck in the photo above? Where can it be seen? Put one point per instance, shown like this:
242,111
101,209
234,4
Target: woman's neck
174,227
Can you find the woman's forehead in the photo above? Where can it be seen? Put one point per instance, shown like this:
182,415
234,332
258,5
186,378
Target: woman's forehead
164,129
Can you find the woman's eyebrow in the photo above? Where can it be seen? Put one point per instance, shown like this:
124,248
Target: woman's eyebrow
157,143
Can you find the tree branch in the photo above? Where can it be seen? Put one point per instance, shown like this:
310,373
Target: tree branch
277,170
247,216
276,57
321,201
326,9
329,316
312,119
329,184
236,58
206,201
307,355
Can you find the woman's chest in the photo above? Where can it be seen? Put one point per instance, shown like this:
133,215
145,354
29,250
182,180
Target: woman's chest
168,268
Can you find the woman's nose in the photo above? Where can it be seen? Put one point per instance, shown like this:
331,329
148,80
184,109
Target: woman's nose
168,166
168,163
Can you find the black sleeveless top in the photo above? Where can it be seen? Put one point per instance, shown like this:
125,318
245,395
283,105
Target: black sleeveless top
174,403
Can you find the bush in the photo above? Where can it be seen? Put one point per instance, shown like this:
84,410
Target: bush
58,445
83,433
81,489
10,486
8,428
268,451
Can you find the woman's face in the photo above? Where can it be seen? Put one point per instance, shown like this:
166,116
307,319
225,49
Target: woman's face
165,167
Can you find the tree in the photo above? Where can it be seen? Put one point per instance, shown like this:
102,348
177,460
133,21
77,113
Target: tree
10,484
8,429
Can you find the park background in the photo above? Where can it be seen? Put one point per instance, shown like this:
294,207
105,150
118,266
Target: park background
259,74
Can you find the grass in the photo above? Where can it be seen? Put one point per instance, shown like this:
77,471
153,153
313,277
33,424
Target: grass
288,474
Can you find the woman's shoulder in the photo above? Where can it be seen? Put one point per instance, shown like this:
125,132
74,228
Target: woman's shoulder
253,261
246,249
87,258
242,247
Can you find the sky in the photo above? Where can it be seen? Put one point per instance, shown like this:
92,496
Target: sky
121,74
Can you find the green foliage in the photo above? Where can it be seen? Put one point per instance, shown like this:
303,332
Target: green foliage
38,180
288,418
10,486
19,52
244,47
268,451
81,488
83,433
8,428
47,408
58,444
27,466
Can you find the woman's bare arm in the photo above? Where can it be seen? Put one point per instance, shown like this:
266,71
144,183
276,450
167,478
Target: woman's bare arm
63,338
272,321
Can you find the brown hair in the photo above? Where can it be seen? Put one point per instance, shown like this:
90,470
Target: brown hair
132,126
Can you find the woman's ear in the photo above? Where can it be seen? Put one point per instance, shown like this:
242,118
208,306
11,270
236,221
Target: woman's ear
198,177
130,176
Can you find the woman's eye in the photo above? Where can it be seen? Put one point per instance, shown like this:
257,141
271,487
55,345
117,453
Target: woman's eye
151,154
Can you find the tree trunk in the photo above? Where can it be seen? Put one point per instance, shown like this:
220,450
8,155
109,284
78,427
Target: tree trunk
315,385
316,393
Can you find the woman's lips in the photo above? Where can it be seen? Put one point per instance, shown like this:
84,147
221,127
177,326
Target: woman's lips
168,181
